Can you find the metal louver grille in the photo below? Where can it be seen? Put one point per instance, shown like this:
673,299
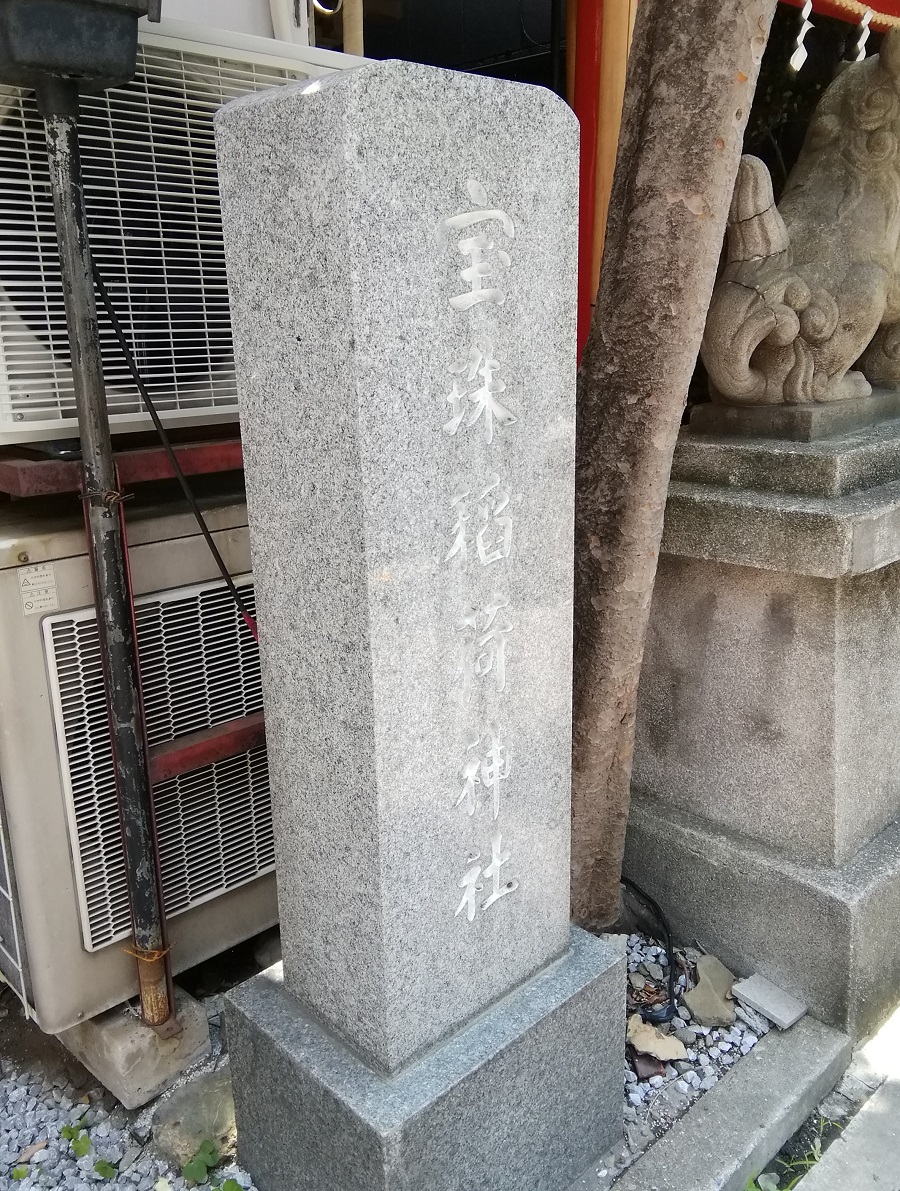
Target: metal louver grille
200,667
152,200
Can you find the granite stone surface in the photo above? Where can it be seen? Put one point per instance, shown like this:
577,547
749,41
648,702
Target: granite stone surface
807,535
769,703
802,423
518,1100
836,466
401,249
825,935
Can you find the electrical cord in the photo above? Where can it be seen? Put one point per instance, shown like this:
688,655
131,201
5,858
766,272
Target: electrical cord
103,293
667,1012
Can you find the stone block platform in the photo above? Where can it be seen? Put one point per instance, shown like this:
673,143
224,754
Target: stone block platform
767,763
542,1066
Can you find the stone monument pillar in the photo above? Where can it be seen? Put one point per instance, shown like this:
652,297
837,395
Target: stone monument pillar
401,250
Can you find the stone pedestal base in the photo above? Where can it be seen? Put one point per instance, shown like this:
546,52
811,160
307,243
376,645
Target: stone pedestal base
827,935
521,1099
802,423
130,1059
767,752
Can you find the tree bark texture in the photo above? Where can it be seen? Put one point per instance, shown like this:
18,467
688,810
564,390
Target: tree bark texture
691,78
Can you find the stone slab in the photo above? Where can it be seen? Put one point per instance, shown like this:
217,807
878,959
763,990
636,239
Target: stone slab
202,1109
827,936
130,1059
837,466
770,1000
730,1134
807,535
765,704
518,1100
408,430
803,423
866,1154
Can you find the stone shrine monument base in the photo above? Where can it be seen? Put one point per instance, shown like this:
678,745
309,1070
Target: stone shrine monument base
525,1096
766,813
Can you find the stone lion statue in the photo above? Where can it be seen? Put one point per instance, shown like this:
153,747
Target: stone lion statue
808,306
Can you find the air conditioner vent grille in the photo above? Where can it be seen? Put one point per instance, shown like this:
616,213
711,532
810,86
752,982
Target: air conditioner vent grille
152,201
200,667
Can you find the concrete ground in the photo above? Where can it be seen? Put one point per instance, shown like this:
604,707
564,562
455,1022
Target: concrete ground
866,1156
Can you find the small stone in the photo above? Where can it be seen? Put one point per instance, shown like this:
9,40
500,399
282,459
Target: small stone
682,1086
705,1061
129,1158
654,971
710,1002
684,1013
656,1081
636,981
754,1020
749,1042
630,1076
686,1035
32,1151
770,1000
646,1039
199,1110
636,1099
708,1083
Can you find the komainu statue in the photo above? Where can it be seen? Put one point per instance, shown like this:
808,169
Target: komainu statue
808,306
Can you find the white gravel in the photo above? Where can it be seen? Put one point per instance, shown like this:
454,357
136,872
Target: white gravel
36,1109
652,1106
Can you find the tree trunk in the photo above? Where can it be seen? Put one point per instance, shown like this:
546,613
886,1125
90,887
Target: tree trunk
691,78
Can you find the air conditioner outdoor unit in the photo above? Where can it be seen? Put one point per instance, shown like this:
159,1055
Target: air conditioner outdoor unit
152,200
64,921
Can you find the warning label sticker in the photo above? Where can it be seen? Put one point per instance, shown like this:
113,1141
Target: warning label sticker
37,588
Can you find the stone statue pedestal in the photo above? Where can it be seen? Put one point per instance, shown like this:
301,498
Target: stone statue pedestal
401,249
799,423
766,816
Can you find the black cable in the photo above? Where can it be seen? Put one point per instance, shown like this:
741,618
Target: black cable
668,1011
170,451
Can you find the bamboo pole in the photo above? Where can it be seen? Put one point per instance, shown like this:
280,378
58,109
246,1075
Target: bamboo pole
352,14
618,23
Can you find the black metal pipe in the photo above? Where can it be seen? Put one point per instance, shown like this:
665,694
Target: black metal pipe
58,103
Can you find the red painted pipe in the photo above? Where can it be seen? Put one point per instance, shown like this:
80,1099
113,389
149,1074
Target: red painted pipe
46,477
588,34
198,749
